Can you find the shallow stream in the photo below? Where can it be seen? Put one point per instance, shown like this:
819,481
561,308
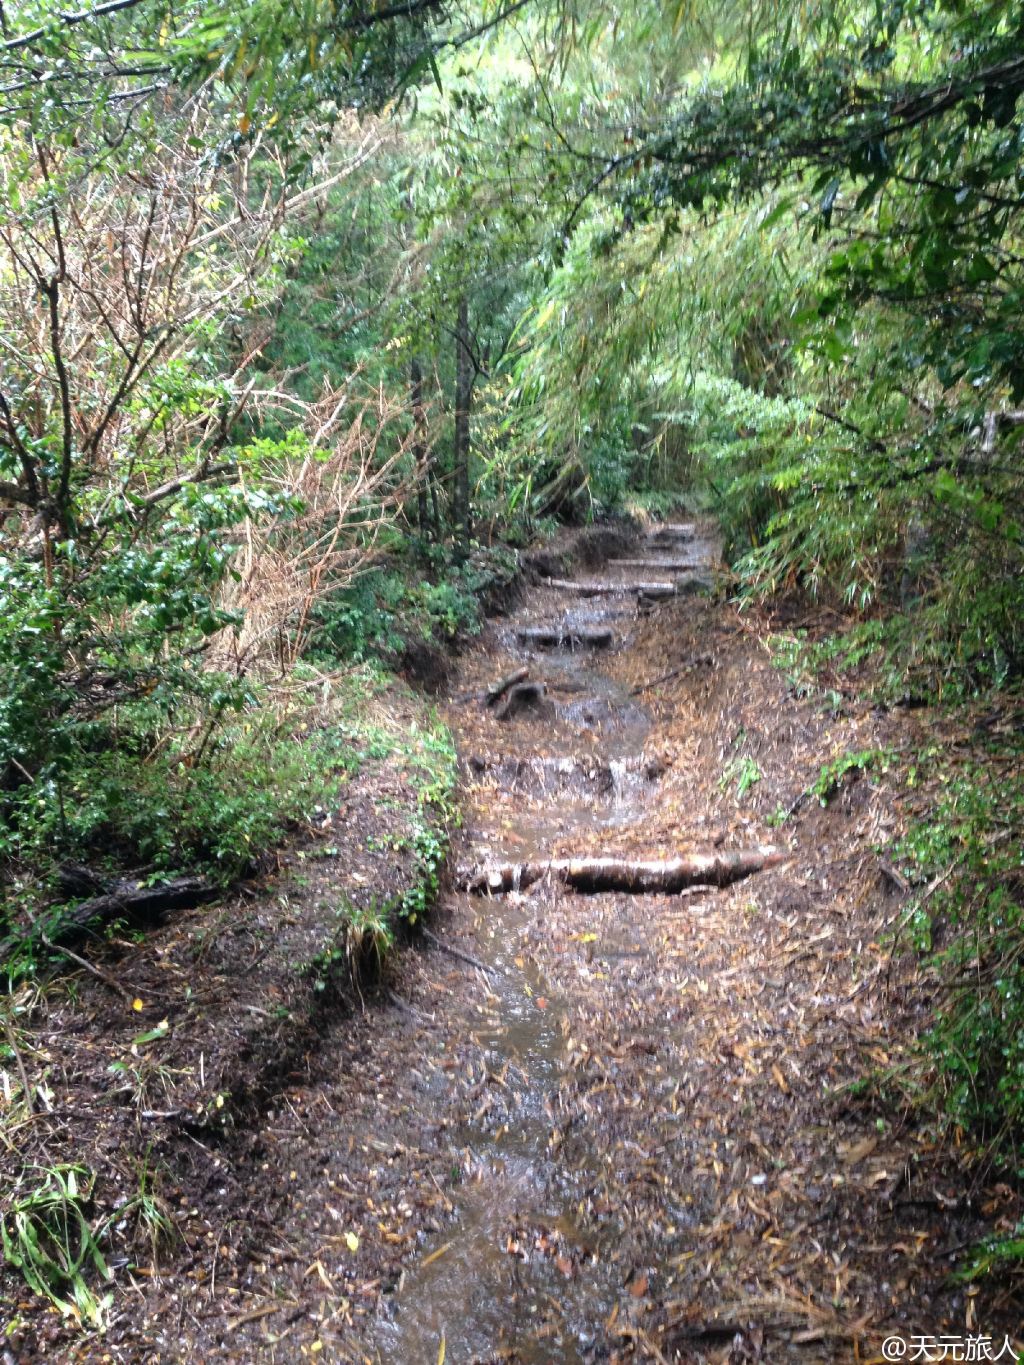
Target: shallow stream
524,1271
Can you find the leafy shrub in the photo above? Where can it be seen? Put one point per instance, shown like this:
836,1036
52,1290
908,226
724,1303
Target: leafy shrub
211,791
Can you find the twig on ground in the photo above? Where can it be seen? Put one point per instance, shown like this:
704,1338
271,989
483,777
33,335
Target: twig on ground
897,878
95,971
404,1007
468,958
695,662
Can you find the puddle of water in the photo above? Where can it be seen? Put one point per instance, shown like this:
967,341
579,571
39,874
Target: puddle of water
515,1281
619,781
516,1276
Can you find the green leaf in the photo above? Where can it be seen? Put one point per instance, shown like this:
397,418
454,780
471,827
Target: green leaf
152,1035
434,72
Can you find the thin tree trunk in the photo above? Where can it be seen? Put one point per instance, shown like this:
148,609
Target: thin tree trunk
419,448
463,400
435,506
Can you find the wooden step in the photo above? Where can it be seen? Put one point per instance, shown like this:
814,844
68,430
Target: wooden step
660,565
610,589
676,530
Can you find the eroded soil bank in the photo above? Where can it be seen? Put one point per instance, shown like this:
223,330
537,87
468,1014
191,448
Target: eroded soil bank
613,1126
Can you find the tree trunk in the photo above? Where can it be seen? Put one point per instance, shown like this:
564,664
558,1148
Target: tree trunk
463,400
419,449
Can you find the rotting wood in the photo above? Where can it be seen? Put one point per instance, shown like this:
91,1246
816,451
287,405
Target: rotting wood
565,637
645,876
609,589
124,898
524,696
497,690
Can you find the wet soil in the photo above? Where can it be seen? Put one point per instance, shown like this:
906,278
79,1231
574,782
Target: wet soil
593,1128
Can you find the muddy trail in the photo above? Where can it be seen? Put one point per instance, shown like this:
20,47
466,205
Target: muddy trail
548,1234
592,1119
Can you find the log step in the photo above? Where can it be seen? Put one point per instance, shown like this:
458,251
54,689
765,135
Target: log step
675,530
645,876
608,589
525,696
660,565
565,637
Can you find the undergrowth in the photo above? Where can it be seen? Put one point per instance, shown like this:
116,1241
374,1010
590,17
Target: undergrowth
967,921
427,596
47,1232
140,792
964,917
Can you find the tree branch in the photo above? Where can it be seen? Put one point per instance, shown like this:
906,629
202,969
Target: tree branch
10,492
852,427
68,20
201,474
28,464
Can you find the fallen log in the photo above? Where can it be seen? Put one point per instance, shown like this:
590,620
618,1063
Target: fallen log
646,876
608,589
498,689
126,898
565,637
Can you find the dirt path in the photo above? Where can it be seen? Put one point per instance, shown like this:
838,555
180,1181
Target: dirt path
649,1158
618,1135
602,1127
